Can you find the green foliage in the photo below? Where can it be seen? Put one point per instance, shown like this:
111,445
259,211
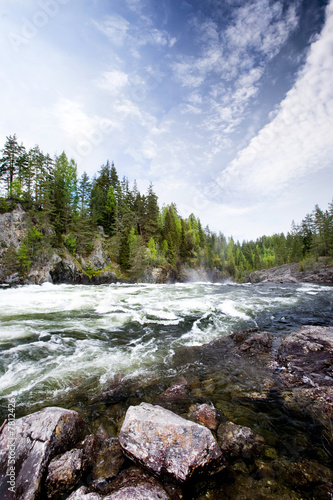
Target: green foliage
70,242
4,206
152,252
23,259
66,211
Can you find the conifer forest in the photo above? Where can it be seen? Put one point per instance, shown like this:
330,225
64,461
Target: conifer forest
65,209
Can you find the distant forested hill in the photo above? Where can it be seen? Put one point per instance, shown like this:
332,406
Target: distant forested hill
67,211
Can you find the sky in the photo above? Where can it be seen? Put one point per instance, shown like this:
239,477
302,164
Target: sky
226,106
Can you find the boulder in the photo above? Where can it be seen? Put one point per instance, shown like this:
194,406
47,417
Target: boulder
305,363
36,439
135,484
307,356
176,394
109,460
84,494
63,473
132,484
204,414
167,444
238,441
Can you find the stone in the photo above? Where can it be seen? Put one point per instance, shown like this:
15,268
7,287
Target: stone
109,460
38,438
64,472
84,494
259,341
167,444
204,414
177,393
305,361
239,441
135,484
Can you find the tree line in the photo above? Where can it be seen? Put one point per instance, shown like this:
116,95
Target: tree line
67,210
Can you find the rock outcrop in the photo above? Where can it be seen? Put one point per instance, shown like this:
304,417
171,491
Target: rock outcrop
319,273
167,444
59,267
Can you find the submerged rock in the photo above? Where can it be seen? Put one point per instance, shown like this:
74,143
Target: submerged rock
238,441
204,414
176,394
37,439
167,444
109,460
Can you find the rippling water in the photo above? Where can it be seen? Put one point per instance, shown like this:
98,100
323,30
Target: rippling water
56,338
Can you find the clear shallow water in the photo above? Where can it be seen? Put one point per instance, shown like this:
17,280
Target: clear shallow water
55,339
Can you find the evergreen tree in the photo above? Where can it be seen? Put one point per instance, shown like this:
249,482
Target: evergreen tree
10,162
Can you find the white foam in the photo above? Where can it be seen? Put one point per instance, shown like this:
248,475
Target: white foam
229,308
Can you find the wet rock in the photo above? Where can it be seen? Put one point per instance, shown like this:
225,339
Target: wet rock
118,390
38,438
307,356
167,444
307,476
83,493
305,360
64,472
204,414
109,460
258,342
178,393
238,441
89,449
135,484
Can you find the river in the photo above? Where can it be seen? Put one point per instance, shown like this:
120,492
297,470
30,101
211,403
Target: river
54,337
63,345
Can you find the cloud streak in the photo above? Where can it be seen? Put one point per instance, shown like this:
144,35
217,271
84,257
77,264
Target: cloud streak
298,140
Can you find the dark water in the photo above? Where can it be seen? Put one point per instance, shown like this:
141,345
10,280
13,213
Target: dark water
70,345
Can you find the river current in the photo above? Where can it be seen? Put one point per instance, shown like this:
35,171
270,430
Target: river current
57,338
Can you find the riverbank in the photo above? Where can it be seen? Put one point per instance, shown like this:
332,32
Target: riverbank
312,271
262,406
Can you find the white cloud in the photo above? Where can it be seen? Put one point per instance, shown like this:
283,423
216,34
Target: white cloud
115,27
298,141
113,81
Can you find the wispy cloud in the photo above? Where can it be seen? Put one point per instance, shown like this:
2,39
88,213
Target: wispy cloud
298,140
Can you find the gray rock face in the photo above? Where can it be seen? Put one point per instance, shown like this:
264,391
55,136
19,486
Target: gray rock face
291,273
167,444
38,438
13,227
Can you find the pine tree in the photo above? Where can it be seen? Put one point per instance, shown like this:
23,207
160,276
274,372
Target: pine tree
10,162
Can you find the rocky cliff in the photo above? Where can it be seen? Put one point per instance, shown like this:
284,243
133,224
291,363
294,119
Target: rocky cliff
55,266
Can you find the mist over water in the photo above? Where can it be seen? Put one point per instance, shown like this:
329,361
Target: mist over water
56,338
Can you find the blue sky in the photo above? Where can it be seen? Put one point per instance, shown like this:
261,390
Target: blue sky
226,106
